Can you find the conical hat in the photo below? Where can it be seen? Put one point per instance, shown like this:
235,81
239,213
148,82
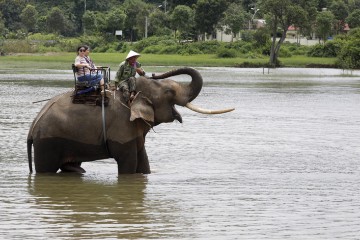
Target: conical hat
132,54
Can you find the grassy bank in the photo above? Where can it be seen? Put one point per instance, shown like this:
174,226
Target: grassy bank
64,61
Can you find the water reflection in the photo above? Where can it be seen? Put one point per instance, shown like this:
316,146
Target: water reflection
86,204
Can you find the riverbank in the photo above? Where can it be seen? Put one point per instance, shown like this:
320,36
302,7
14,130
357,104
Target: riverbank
63,61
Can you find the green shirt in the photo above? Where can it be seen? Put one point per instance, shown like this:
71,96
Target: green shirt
126,71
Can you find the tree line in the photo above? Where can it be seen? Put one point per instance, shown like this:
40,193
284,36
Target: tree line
178,19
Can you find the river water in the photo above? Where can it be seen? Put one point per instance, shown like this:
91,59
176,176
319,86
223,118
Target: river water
284,165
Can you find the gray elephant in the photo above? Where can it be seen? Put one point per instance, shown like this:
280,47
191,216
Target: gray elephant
65,134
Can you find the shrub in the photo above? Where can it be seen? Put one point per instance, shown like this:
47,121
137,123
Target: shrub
94,42
226,53
152,49
246,48
237,45
354,33
261,37
316,51
247,36
189,49
69,44
18,46
332,48
284,52
173,49
151,41
42,37
44,49
329,49
207,47
349,56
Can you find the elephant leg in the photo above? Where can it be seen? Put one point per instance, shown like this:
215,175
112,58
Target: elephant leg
143,162
72,167
125,155
46,156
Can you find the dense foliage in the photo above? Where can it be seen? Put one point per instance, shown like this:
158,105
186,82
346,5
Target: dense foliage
179,26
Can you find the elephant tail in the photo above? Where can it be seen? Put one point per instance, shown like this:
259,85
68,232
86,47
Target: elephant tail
29,147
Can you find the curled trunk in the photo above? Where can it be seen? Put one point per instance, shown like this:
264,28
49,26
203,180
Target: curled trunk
188,91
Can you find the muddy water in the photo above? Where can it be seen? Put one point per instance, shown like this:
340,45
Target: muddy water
284,165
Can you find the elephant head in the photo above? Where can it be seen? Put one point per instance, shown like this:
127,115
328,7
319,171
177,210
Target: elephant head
163,94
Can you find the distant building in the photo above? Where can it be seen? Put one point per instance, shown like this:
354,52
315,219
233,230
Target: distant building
223,37
292,34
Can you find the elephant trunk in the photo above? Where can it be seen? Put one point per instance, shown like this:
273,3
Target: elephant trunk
187,92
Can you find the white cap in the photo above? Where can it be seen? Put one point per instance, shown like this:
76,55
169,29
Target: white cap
132,54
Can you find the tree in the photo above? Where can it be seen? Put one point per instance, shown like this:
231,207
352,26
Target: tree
349,56
55,21
11,10
208,13
234,19
115,20
136,12
306,28
159,23
324,24
340,11
29,17
354,19
182,18
89,22
2,26
281,14
171,4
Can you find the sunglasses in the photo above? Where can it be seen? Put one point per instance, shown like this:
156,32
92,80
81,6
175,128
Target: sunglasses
82,50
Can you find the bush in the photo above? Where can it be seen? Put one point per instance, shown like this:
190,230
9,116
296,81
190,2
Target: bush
94,42
261,37
44,49
226,53
189,49
207,47
173,49
332,48
316,51
237,45
43,37
284,52
69,44
246,48
247,36
152,41
354,33
152,49
18,46
349,56
329,49
252,55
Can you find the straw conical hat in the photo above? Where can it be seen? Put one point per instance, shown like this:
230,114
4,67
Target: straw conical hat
132,54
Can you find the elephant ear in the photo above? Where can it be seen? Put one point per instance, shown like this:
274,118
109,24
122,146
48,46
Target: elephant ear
141,107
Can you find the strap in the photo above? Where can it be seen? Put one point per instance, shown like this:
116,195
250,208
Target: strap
104,123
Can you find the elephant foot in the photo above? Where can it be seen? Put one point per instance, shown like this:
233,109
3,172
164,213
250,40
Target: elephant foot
72,167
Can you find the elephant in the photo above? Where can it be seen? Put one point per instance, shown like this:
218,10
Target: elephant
64,134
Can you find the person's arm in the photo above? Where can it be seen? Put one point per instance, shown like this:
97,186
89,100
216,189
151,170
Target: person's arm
79,64
139,69
119,74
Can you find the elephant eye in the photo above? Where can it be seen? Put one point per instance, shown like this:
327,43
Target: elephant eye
170,91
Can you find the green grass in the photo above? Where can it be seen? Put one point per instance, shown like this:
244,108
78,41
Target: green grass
64,60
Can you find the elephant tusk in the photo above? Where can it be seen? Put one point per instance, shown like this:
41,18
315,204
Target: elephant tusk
207,111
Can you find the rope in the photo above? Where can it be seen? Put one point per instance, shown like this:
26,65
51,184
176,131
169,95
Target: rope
104,123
